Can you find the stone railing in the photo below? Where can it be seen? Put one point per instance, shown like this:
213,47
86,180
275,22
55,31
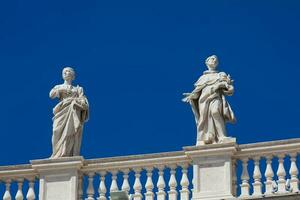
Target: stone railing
140,167
18,175
266,157
220,171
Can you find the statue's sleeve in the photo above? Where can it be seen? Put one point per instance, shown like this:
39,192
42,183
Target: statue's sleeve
83,100
85,114
197,91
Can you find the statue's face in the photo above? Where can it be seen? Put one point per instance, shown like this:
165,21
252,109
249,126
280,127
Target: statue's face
212,62
68,74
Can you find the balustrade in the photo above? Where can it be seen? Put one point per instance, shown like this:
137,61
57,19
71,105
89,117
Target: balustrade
278,151
137,185
258,170
18,175
140,170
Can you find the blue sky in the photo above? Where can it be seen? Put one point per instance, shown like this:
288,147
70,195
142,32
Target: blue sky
134,60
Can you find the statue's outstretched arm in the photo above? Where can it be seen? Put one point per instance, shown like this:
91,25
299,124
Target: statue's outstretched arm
195,94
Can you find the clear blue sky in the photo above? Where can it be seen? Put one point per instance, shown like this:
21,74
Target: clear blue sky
134,60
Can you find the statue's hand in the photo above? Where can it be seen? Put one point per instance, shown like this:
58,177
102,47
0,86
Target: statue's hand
229,90
220,85
188,97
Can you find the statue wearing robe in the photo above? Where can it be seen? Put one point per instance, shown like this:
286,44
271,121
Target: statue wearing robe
69,116
210,108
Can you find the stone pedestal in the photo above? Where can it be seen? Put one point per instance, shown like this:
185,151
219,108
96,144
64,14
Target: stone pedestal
212,170
58,177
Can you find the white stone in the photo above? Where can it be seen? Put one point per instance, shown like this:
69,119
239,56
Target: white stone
212,166
69,116
209,106
212,170
58,178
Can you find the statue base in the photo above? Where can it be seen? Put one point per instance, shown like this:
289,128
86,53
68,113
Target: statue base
58,177
224,140
213,170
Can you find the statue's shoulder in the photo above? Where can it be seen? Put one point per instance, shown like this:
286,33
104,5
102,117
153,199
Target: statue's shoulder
79,89
200,80
206,78
222,74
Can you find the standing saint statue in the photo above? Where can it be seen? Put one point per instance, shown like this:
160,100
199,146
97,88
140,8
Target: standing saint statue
69,116
210,108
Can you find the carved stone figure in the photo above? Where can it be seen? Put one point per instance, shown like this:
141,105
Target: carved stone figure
69,116
210,108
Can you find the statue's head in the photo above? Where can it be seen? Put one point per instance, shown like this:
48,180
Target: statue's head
212,62
68,74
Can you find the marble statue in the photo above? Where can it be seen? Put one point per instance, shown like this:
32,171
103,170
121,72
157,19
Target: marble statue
210,108
69,116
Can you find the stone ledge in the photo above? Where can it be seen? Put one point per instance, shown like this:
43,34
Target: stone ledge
275,197
64,163
57,160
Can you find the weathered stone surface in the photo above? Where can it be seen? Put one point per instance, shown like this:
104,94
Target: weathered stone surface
212,170
58,178
281,197
69,116
209,106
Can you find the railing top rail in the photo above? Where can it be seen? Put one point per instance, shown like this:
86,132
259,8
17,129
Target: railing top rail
164,159
137,161
14,171
269,148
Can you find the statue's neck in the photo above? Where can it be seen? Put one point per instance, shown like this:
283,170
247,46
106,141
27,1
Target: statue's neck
67,82
210,71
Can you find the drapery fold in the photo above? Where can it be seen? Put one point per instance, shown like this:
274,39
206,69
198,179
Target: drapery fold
210,108
69,116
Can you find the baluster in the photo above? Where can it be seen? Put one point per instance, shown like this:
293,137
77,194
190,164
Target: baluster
80,190
7,195
184,182
30,193
137,186
19,195
125,185
114,185
269,174
172,183
281,174
161,194
102,188
245,178
294,173
257,185
234,182
149,195
90,190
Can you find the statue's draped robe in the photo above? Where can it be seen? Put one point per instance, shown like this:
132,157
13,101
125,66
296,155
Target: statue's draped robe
69,116
210,108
